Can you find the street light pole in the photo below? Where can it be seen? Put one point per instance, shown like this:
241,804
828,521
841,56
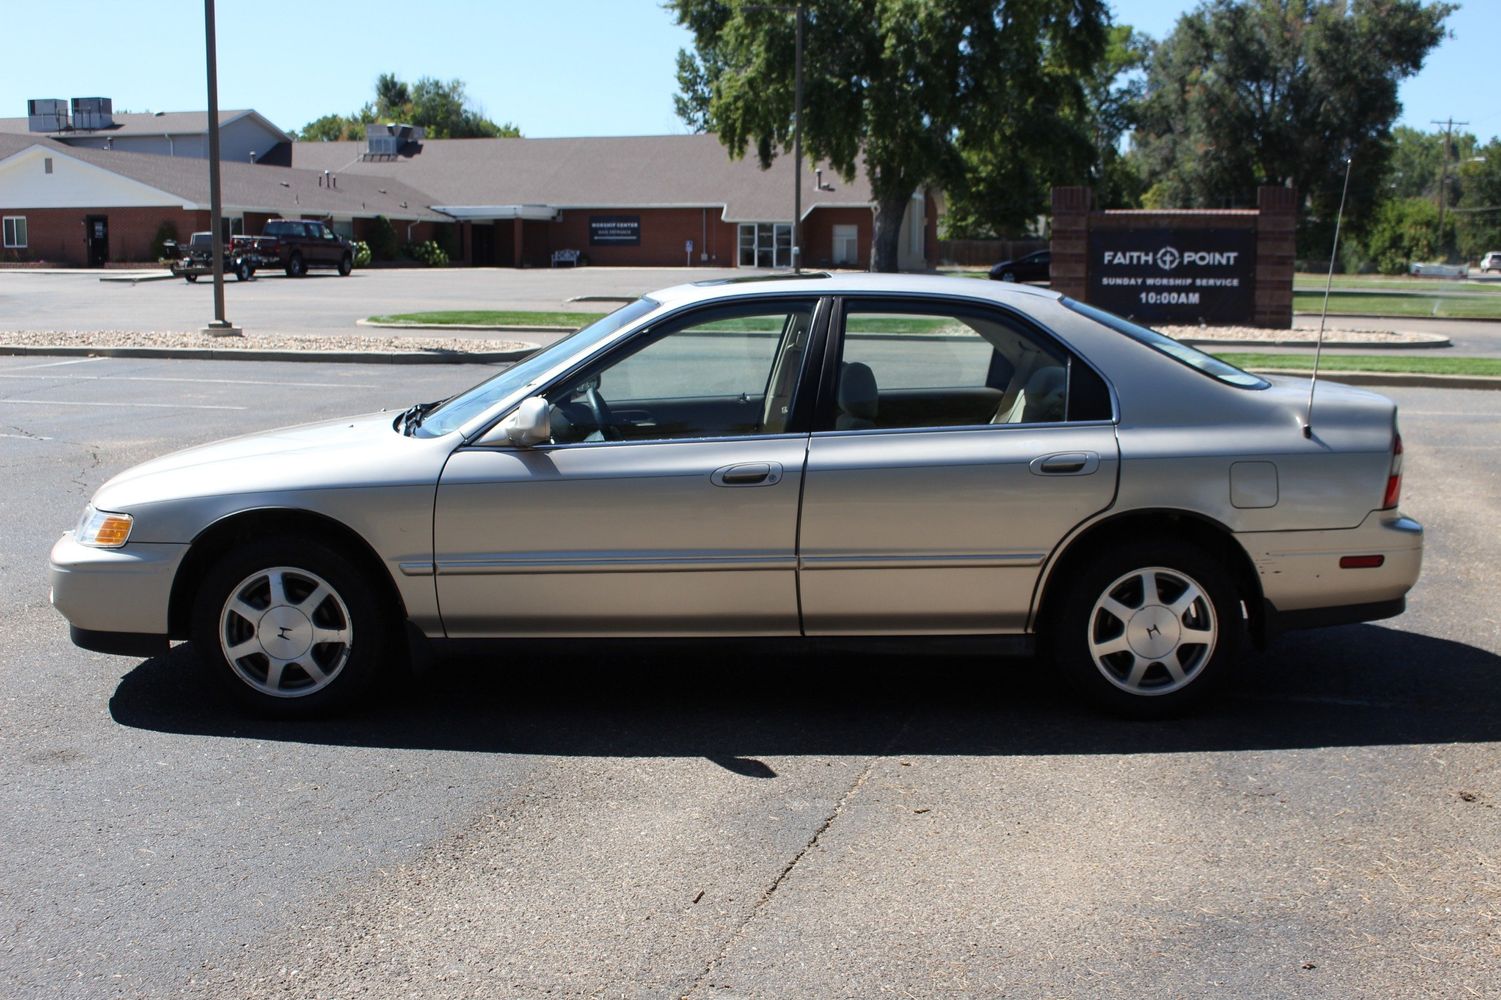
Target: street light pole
220,327
797,153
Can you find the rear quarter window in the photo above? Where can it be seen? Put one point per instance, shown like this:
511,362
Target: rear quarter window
1205,364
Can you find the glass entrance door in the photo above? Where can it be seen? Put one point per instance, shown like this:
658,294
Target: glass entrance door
766,244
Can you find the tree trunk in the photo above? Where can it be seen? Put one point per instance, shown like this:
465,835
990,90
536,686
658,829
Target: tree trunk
888,236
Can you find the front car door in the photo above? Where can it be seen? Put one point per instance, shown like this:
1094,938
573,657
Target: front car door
956,446
666,502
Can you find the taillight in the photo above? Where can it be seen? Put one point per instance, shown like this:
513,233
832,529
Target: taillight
1394,478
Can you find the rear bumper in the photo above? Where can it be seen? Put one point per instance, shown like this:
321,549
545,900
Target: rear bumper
1305,586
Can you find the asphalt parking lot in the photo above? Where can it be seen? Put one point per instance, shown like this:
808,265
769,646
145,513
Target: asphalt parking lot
325,303
731,819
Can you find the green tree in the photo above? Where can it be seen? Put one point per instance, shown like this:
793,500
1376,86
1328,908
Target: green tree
1401,231
1246,93
1477,219
969,94
441,108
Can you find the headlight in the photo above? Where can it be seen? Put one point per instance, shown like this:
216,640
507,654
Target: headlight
103,529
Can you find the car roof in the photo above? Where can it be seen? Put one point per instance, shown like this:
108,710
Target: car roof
822,283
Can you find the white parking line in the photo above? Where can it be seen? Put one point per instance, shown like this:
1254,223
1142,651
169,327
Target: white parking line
148,406
26,437
55,364
202,381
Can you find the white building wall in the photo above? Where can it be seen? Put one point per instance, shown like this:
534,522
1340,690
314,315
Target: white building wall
26,183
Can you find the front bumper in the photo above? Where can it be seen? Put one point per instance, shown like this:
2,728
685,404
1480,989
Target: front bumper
1303,583
124,591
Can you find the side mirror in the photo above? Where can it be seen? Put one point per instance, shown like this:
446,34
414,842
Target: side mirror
527,425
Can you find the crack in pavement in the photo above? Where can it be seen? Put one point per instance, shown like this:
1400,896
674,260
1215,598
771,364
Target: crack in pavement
765,900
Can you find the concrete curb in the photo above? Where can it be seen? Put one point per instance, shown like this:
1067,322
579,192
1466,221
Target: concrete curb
253,354
1249,346
1408,380
455,326
136,278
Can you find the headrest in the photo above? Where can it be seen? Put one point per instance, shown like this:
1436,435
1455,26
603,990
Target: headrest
858,396
1045,395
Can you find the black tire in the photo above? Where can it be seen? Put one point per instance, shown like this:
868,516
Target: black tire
242,271
296,267
346,264
190,278
1160,670
316,677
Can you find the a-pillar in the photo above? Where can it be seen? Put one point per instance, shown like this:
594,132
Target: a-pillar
1070,268
1276,240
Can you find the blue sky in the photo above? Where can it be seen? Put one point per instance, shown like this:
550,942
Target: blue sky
570,67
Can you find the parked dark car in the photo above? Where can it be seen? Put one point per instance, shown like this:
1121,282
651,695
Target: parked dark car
1033,267
197,258
294,245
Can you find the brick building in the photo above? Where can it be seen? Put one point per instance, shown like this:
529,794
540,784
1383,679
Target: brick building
640,200
81,206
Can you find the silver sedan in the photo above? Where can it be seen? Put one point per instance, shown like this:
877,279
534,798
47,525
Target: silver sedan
824,456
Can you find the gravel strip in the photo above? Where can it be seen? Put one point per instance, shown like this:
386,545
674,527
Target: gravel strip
256,342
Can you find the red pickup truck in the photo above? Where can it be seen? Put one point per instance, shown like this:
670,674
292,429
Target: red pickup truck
294,245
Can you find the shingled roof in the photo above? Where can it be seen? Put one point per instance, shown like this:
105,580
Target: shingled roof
654,171
157,123
249,187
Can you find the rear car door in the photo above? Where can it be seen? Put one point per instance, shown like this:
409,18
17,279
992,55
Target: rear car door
956,445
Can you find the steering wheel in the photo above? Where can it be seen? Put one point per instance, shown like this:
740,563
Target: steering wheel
600,411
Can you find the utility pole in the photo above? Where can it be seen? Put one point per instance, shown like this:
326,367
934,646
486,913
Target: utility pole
1443,176
220,327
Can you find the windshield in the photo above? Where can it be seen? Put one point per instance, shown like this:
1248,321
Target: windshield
467,405
1178,351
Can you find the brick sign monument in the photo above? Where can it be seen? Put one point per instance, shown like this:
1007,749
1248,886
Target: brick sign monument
1216,267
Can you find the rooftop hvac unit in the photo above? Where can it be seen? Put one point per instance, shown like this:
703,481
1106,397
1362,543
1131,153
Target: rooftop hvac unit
384,145
46,115
93,112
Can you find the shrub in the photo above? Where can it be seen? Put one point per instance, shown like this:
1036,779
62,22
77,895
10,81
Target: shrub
164,232
382,239
361,253
427,252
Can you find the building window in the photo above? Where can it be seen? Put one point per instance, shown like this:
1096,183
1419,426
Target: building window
766,244
15,232
846,244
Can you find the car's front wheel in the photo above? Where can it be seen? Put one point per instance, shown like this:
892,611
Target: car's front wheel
1148,629
346,264
290,627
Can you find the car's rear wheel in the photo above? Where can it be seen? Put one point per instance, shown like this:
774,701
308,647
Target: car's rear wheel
290,627
1149,629
296,266
190,278
242,271
346,264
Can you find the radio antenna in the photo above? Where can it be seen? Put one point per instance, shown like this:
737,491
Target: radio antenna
1318,349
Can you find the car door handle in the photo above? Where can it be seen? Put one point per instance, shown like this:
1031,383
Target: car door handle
748,474
1070,463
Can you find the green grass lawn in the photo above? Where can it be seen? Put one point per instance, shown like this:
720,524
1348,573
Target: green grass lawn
1414,304
1406,364
1392,283
492,317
